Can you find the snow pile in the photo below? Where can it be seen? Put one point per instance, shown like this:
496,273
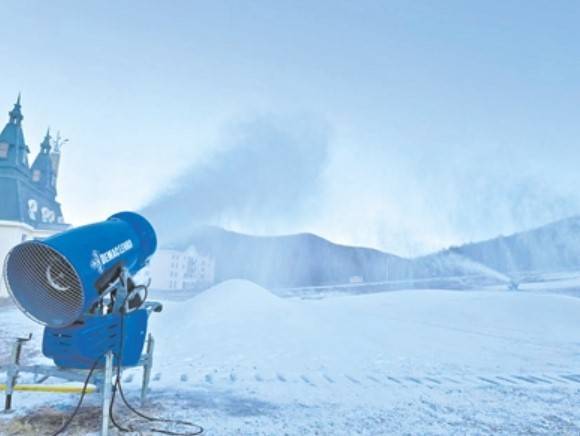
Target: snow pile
234,323
239,326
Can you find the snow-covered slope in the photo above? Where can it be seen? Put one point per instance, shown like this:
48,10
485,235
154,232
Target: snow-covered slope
550,248
238,326
240,360
306,260
450,264
291,260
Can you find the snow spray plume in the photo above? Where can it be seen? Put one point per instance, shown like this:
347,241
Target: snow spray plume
265,174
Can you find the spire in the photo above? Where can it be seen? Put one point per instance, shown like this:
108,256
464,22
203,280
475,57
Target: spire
57,144
16,114
13,136
43,169
45,146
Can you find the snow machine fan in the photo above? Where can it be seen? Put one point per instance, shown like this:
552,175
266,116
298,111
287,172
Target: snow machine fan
79,285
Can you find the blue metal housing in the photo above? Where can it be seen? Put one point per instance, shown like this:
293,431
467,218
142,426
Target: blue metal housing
58,280
80,345
125,239
76,283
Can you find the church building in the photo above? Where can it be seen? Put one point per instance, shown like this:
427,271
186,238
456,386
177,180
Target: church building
28,206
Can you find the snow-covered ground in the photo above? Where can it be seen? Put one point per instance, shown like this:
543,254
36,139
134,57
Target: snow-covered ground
239,360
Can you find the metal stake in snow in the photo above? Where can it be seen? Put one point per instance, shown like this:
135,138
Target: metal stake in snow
107,385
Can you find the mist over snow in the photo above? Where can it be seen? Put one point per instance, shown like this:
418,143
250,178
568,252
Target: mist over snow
264,176
411,201
283,174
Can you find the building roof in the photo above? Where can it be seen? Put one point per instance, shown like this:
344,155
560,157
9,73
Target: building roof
28,194
12,132
42,168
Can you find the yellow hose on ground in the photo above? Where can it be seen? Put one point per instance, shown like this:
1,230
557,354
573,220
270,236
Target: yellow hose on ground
57,389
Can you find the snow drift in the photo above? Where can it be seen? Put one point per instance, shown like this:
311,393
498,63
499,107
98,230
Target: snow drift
239,326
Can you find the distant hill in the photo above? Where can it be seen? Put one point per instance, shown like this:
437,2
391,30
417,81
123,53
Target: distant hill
291,261
550,248
308,260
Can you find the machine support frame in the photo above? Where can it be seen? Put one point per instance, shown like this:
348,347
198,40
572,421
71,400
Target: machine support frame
101,378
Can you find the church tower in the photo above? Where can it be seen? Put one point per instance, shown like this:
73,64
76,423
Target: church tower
13,148
28,206
43,174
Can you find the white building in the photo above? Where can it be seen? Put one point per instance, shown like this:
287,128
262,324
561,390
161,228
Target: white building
181,270
28,206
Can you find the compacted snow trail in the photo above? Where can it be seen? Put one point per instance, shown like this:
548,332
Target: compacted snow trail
239,360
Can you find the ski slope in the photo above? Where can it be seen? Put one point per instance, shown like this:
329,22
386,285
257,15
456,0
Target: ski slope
241,325
240,360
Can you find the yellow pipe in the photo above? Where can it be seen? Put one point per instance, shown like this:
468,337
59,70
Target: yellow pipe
57,389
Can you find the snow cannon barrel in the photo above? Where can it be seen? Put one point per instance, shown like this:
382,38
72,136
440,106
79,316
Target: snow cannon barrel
57,280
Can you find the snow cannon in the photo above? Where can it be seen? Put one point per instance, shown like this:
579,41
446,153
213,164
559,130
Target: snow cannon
79,285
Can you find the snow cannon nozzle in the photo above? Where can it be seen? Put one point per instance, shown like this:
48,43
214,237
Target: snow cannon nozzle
79,283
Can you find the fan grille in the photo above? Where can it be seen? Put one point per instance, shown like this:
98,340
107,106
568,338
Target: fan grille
44,284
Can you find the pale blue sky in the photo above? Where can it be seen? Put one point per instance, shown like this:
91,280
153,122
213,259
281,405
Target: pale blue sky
445,121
